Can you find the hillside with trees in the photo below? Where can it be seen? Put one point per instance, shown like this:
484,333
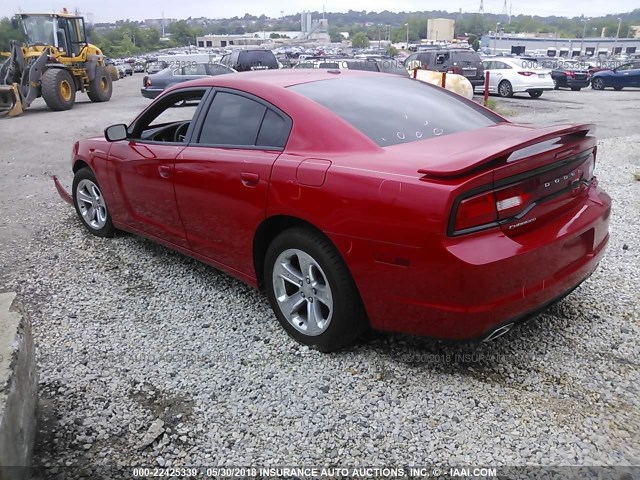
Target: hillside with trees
127,37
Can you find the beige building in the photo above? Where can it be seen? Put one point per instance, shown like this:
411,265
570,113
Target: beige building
440,29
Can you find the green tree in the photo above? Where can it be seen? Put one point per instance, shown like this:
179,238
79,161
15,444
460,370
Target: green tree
8,33
183,33
334,35
360,40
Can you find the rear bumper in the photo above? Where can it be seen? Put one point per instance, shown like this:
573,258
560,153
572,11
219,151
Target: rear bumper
483,281
151,92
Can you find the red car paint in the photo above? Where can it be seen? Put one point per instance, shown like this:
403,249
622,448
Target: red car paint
390,212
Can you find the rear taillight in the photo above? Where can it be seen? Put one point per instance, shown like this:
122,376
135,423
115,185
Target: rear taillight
476,211
526,74
514,199
507,202
147,82
570,74
455,70
489,208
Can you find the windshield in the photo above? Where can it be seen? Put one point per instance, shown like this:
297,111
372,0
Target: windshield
39,29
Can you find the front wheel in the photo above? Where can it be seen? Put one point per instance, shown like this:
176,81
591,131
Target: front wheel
617,89
597,84
58,89
505,89
101,87
90,204
535,93
311,290
576,89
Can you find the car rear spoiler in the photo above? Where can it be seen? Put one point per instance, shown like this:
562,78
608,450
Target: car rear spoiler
498,142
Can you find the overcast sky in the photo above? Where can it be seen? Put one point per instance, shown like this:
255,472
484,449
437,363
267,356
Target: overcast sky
110,10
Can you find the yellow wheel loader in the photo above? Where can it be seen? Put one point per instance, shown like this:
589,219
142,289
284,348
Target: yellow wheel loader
55,62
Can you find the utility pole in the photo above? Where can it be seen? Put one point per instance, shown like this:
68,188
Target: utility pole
584,28
407,25
615,43
495,39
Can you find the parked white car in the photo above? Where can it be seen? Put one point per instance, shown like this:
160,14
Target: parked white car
513,75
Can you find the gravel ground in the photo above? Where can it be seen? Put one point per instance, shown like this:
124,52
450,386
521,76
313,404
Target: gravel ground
149,358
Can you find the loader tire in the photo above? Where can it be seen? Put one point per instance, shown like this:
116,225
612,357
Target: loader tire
101,87
58,89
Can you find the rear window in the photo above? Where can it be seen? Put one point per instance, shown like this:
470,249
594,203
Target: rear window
258,58
391,109
471,57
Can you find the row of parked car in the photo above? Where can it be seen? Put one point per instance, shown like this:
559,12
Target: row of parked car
507,75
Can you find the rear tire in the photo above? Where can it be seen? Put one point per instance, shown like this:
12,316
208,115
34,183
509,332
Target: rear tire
535,93
576,89
101,87
505,89
311,290
58,89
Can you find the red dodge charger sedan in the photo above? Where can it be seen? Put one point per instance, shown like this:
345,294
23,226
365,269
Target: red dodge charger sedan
355,200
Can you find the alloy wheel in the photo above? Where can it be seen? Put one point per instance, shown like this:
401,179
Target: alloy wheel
91,204
302,292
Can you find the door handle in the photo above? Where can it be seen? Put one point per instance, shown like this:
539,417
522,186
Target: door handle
164,171
249,179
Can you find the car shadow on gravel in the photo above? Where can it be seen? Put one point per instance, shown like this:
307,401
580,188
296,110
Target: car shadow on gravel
517,350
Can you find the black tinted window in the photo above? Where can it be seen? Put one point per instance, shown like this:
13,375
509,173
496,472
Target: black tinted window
232,120
273,132
467,57
256,59
392,109
365,65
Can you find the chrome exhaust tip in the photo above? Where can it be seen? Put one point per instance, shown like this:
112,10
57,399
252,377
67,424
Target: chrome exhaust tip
498,332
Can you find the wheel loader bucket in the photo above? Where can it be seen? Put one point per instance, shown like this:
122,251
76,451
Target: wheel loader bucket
10,101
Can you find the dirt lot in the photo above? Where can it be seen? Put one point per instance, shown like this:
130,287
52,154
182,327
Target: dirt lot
130,333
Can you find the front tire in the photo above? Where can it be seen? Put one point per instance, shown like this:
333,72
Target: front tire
58,89
576,89
535,93
617,89
311,290
101,87
597,84
90,204
505,89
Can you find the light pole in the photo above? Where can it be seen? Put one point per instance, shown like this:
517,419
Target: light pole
615,42
407,25
584,28
495,39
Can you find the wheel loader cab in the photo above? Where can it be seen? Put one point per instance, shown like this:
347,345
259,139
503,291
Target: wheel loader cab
64,32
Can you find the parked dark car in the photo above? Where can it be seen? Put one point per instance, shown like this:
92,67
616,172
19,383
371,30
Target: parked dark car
138,67
154,84
459,61
626,75
369,65
246,60
571,75
155,67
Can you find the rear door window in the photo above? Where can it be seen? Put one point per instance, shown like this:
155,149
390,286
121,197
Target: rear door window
238,121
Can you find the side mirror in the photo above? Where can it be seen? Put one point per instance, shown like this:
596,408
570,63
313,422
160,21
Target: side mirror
115,133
